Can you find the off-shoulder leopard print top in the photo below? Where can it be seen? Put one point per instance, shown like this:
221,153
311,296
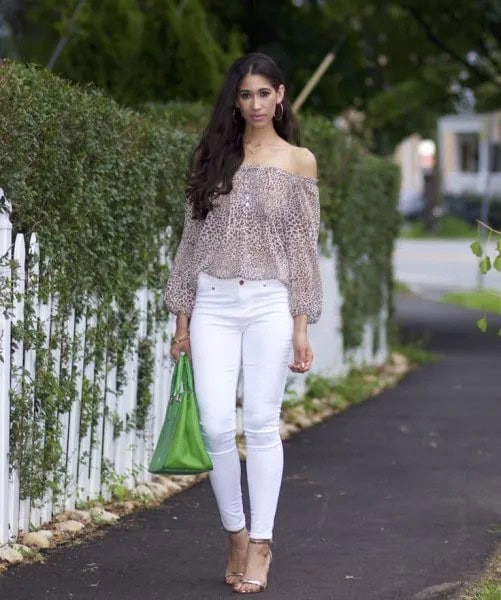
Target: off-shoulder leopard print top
265,228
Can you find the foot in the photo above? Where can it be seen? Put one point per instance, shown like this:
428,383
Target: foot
255,576
237,556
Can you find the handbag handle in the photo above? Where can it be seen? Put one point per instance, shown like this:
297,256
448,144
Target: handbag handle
183,375
188,373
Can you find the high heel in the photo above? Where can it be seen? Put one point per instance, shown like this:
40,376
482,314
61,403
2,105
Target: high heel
230,576
260,585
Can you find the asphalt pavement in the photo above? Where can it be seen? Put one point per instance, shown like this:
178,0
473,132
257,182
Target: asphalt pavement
398,498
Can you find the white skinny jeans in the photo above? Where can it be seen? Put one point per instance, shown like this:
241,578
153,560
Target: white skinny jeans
248,322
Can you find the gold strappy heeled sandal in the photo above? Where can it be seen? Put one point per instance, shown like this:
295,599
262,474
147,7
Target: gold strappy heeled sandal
260,585
233,577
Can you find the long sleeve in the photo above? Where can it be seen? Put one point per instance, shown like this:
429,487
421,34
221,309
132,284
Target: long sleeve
180,290
301,241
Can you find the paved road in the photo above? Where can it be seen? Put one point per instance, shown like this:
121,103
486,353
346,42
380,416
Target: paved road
440,265
393,496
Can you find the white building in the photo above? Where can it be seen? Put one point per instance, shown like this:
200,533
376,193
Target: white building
470,153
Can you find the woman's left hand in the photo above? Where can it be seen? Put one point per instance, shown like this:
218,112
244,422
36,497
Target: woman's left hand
303,355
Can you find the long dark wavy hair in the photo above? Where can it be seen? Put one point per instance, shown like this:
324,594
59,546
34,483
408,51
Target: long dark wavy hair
220,151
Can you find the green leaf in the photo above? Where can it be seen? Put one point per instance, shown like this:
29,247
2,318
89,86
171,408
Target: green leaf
498,246
497,262
476,248
482,324
485,264
499,332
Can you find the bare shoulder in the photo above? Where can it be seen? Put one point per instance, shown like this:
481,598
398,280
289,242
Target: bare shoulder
305,162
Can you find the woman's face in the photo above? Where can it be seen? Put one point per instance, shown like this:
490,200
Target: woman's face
257,100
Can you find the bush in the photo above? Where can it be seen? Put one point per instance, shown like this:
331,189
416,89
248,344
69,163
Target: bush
191,117
467,206
359,196
99,184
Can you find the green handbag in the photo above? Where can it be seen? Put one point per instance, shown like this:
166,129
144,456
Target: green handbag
180,448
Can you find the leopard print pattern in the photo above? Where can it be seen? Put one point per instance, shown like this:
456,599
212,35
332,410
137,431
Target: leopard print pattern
266,228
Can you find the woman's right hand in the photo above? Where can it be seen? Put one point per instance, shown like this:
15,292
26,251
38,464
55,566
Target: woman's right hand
176,349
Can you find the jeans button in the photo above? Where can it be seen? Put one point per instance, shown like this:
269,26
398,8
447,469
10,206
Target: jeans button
241,282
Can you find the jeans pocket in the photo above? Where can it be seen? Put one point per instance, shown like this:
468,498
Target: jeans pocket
205,285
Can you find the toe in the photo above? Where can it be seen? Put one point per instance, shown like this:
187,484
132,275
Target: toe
246,588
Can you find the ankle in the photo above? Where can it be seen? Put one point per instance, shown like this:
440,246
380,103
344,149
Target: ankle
260,547
238,540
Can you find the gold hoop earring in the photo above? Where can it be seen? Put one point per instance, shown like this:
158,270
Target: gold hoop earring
281,114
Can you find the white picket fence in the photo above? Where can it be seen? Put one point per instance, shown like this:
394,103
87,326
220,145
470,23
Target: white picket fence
127,454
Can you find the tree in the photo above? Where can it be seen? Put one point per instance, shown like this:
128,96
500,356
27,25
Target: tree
137,50
8,14
401,63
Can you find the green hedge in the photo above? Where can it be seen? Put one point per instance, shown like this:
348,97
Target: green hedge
99,184
359,194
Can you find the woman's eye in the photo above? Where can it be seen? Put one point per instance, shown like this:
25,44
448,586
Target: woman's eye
265,93
245,95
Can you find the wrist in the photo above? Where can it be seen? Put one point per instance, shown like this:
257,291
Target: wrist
182,323
177,339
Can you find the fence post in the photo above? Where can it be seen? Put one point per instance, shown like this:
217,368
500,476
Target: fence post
17,375
5,276
29,514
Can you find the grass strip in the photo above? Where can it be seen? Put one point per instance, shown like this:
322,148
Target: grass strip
445,228
484,300
400,287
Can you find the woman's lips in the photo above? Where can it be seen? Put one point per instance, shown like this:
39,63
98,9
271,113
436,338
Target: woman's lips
257,117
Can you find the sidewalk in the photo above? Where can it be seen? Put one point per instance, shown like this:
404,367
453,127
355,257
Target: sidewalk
390,498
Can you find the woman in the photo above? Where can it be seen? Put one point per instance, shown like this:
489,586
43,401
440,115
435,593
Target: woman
244,285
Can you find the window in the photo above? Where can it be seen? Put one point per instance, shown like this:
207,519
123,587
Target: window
467,145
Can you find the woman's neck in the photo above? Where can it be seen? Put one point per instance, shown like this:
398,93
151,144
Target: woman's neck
260,136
